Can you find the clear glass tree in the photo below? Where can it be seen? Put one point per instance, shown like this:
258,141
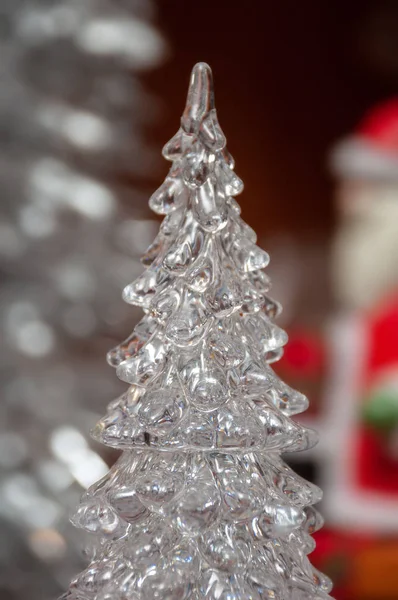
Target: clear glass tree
200,504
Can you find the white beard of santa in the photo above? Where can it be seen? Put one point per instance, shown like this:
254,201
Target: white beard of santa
365,246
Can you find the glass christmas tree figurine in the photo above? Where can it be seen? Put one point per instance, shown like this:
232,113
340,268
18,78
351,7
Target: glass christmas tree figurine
200,504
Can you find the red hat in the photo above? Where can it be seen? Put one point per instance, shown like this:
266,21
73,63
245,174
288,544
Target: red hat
372,152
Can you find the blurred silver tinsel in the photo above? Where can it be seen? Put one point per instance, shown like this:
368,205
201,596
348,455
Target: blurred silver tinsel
72,113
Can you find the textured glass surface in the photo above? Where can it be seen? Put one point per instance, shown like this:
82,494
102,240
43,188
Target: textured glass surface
200,504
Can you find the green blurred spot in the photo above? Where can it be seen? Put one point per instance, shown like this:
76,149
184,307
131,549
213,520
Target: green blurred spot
381,410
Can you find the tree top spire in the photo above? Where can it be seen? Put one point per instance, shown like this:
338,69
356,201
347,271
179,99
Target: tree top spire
200,98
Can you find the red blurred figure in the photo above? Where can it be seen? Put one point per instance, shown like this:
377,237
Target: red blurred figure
361,491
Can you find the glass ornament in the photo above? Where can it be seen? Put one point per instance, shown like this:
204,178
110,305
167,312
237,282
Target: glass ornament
211,510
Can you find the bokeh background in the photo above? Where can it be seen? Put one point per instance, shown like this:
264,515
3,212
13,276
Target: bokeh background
307,95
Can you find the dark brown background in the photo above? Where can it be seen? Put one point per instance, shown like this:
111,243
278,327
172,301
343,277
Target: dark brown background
291,77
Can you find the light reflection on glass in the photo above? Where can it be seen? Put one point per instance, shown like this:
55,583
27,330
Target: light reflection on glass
82,128
132,40
61,185
71,448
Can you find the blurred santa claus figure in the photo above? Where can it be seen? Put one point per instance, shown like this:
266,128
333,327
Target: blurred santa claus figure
365,261
361,490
